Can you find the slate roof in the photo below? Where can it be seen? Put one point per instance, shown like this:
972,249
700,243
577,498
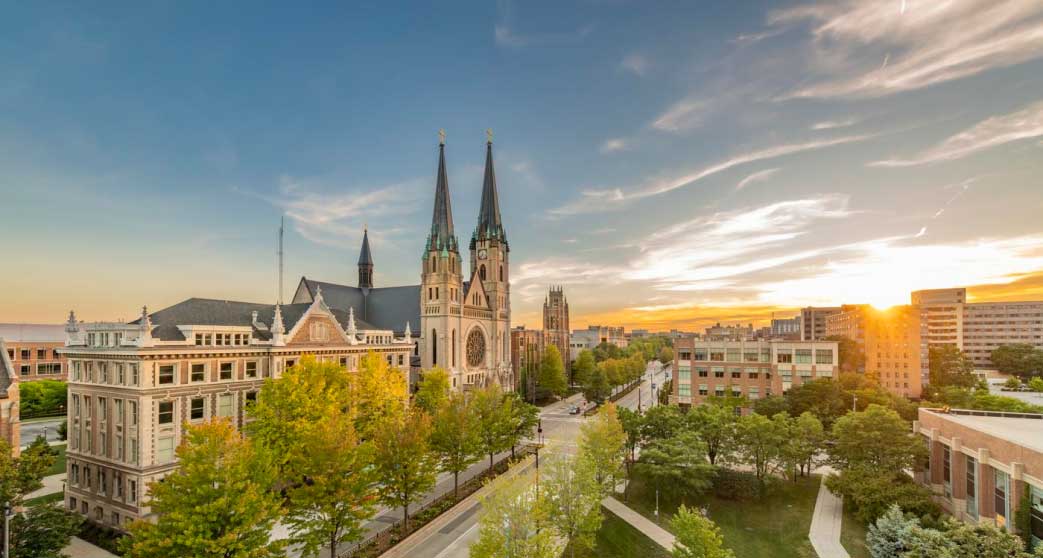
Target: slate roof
489,224
442,236
384,307
204,311
365,256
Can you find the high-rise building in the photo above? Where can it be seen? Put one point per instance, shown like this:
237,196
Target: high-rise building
751,369
556,324
890,340
813,321
977,328
788,328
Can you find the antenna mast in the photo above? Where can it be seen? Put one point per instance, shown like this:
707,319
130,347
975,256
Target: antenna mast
279,253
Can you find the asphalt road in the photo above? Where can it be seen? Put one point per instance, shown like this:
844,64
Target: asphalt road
30,430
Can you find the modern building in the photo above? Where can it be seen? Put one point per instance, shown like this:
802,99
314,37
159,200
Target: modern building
983,466
729,332
977,328
33,350
9,419
556,325
134,386
464,320
752,369
786,328
594,335
890,340
813,321
527,346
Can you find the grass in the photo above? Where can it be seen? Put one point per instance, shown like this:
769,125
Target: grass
775,526
853,536
44,500
59,464
617,539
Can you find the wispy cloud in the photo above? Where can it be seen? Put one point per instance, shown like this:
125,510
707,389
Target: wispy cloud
997,130
683,115
613,145
635,63
755,177
598,200
922,43
330,218
831,124
506,36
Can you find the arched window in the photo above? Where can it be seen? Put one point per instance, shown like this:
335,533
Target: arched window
481,272
501,273
454,347
434,347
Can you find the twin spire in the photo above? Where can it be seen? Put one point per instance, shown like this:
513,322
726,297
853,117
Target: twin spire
442,237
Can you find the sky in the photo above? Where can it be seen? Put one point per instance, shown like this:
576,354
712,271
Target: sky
670,164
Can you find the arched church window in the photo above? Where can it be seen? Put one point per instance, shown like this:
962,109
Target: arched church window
481,272
434,347
501,273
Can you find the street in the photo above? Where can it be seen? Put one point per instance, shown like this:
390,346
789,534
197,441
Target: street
30,430
560,433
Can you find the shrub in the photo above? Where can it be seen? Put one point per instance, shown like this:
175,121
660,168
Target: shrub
871,493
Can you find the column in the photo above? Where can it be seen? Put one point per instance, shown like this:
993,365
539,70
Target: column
958,478
986,489
1018,486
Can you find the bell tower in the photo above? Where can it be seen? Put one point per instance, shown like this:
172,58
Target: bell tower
490,264
441,282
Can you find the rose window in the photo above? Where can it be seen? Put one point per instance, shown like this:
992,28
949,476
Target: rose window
475,348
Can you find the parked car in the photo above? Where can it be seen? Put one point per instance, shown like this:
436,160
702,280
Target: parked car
574,410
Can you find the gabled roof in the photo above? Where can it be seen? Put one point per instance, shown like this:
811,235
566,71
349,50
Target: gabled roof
384,307
478,288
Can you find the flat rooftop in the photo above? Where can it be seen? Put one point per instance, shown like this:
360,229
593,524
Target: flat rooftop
33,333
1025,432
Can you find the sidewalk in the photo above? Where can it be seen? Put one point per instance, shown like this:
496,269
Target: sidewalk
79,548
825,524
639,522
51,484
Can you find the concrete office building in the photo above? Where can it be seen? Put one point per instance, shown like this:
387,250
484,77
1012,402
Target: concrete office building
813,321
753,369
984,465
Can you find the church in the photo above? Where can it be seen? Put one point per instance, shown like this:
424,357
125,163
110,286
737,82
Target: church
464,321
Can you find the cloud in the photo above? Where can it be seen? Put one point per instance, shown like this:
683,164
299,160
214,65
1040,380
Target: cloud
613,145
923,43
598,200
755,177
831,124
683,115
506,37
330,218
997,130
635,63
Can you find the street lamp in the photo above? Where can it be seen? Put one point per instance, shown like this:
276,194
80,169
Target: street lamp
7,529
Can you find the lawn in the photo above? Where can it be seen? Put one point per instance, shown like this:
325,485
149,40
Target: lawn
853,536
617,539
59,464
44,500
776,526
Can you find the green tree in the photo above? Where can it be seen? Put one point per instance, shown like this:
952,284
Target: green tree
510,521
603,443
771,405
523,417
583,368
890,534
758,440
597,388
631,422
1012,383
606,351
950,367
697,536
851,356
406,466
661,422
1036,384
219,502
871,493
876,439
339,496
1020,359
715,425
822,397
666,355
43,398
454,438
496,421
573,498
807,440
678,462
380,395
552,380
42,531
432,390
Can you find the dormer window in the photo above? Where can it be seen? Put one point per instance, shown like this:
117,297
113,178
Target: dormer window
320,331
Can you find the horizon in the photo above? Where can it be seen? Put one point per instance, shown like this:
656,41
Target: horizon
669,168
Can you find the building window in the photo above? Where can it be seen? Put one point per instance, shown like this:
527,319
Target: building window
226,370
972,487
198,372
803,356
133,374
166,374
165,449
290,363
684,355
700,354
684,390
251,368
197,410
947,471
823,356
74,474
784,358
166,412
224,405
702,389
718,372
1001,492
72,504
251,397
133,405
1035,514
717,356
26,354
684,372
702,371
132,491
736,374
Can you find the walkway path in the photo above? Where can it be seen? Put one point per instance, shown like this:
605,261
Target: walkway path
51,484
79,548
825,524
640,522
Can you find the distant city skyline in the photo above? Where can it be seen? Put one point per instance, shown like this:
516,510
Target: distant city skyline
669,168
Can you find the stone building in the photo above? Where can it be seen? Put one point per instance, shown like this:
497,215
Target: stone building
556,325
133,386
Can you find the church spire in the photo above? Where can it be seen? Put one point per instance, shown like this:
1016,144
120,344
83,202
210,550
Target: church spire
442,236
489,225
365,263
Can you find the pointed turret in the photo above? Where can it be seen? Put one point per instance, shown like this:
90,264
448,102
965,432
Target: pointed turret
489,224
442,237
365,263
